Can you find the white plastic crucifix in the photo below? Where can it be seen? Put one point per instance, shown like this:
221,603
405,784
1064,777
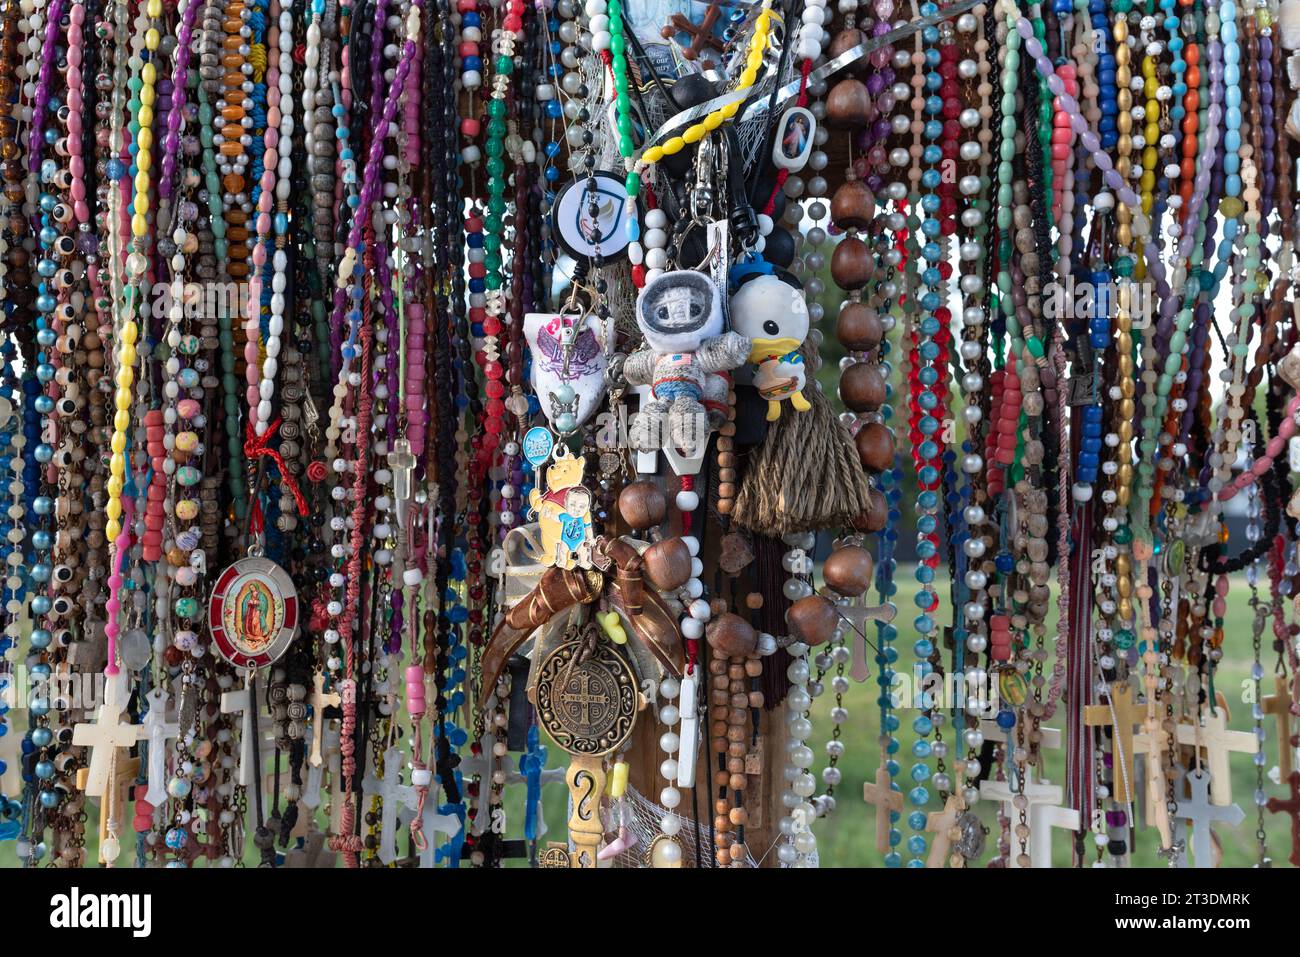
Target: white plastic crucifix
330,747
158,731
398,802
238,702
1043,814
433,823
1202,813
106,735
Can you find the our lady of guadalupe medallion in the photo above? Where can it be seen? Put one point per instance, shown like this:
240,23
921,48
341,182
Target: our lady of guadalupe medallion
253,612
587,705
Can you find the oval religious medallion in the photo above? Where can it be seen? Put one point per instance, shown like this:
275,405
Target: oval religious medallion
253,612
589,706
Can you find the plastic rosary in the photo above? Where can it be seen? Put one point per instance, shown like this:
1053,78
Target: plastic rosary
623,434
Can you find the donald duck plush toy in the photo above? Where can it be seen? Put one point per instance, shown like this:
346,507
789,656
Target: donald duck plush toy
772,314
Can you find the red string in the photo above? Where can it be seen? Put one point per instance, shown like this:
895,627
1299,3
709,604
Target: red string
258,446
688,518
801,100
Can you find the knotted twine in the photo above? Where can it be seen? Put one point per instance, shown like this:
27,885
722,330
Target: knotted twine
805,475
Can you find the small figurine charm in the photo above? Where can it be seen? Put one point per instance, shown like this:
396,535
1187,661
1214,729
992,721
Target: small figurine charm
568,368
563,513
773,315
680,314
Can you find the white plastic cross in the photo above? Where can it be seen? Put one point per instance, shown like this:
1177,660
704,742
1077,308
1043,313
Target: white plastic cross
1202,813
106,735
158,731
237,702
330,746
435,823
1044,813
689,732
398,802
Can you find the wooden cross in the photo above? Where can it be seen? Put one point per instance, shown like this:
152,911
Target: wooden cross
856,616
1153,742
1201,813
320,699
1279,705
1156,742
941,824
1218,742
1290,806
398,802
1120,716
1044,813
158,731
888,800
106,736
701,34
238,702
315,852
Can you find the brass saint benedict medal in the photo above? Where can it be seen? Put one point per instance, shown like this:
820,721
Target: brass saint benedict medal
587,700
587,705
